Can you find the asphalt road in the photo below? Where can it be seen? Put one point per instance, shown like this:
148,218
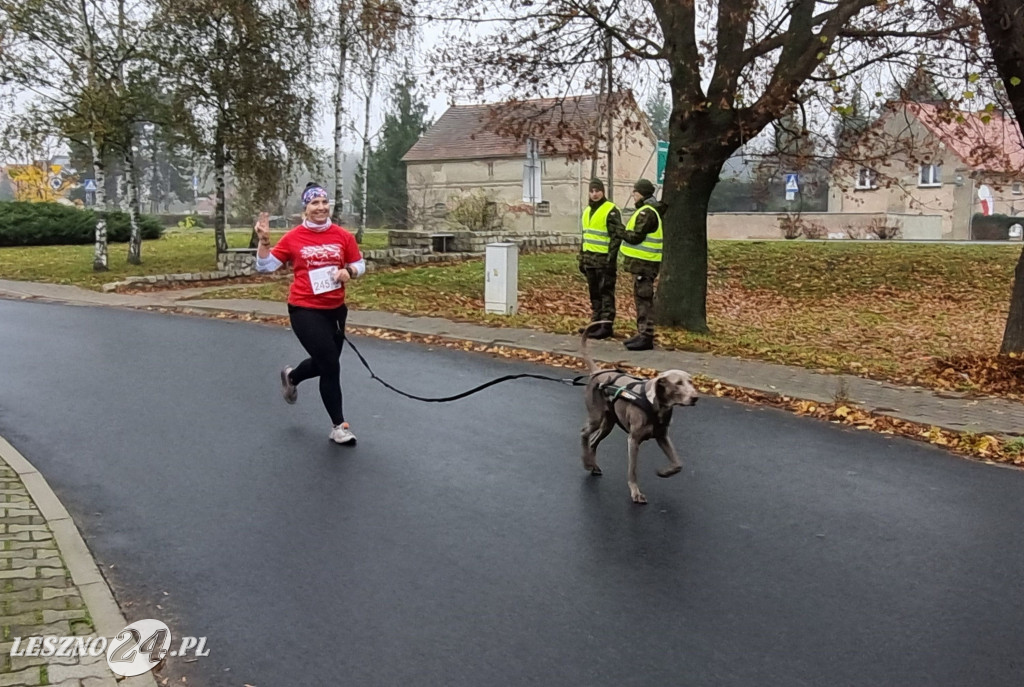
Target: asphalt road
464,545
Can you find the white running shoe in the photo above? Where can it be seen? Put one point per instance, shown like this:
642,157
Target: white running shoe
288,390
341,434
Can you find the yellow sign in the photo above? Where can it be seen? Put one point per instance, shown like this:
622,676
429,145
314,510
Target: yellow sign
39,182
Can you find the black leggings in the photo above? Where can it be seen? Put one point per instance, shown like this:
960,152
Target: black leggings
322,334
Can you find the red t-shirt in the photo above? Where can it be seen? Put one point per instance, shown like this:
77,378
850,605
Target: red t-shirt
314,254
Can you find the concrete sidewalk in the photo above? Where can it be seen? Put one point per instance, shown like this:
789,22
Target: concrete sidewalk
946,410
49,585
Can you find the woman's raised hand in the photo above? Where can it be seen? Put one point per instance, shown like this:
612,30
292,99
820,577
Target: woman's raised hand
263,229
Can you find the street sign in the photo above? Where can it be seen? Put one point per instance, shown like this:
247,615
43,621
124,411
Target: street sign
531,172
792,183
89,185
662,161
195,182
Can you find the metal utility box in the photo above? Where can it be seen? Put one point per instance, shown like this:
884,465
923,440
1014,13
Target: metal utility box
501,283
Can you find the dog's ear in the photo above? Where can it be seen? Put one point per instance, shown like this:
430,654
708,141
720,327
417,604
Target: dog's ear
658,391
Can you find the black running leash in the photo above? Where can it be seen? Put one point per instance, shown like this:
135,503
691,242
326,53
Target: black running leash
574,381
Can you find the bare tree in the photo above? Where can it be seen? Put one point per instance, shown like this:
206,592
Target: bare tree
71,56
345,34
382,26
733,66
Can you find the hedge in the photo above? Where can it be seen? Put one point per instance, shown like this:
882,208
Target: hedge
47,224
993,227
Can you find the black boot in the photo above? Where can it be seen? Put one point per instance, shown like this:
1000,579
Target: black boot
602,332
640,342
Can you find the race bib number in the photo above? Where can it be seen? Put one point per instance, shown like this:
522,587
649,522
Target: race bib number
322,280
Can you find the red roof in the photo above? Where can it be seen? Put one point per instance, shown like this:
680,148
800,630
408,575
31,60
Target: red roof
562,125
995,145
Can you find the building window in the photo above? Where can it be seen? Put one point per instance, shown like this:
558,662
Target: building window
867,178
440,209
931,175
1016,189
490,170
544,209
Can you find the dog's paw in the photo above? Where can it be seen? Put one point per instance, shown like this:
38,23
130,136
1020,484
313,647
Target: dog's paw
640,499
668,472
595,471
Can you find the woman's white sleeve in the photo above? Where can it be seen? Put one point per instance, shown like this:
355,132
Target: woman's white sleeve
360,267
267,264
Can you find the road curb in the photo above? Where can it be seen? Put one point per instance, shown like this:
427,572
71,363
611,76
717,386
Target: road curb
99,599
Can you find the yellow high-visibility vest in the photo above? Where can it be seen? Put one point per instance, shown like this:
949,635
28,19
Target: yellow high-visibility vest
650,249
595,228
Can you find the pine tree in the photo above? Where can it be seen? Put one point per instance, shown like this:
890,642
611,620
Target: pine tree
405,122
853,121
921,87
658,111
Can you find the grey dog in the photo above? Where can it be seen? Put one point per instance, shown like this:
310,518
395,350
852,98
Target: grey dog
642,407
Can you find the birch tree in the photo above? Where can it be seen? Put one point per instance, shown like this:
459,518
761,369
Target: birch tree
344,36
78,58
382,26
243,90
68,55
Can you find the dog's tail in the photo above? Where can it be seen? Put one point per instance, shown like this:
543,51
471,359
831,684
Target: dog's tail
591,365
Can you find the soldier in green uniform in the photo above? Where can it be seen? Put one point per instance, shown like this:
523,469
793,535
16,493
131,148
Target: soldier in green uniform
641,253
599,253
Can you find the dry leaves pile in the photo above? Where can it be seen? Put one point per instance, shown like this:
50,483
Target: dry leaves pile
998,375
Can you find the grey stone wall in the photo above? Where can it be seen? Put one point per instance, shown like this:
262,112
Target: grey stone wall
237,262
476,241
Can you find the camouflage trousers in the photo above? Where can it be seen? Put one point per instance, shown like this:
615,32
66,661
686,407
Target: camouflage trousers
643,297
601,284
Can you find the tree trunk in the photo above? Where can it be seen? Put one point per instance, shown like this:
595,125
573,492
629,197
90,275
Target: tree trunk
339,114
371,82
683,283
195,190
99,258
220,213
1004,26
100,251
1013,335
155,180
132,187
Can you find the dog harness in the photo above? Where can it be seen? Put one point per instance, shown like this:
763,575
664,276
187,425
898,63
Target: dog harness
632,392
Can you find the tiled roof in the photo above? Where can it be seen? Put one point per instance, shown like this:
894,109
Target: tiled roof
562,125
995,146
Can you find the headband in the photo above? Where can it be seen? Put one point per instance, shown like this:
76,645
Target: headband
312,193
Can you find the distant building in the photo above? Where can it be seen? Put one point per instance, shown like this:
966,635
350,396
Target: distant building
482,149
920,159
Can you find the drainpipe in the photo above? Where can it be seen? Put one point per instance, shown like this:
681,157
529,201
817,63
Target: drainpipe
970,213
579,188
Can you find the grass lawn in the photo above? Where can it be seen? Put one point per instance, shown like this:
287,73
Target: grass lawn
931,314
921,313
176,252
